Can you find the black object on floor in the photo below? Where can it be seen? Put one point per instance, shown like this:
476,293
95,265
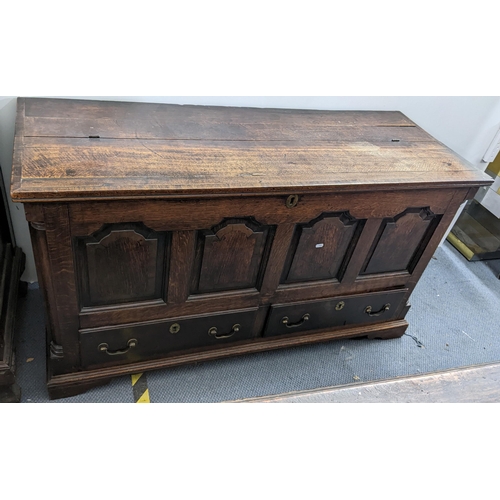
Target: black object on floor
494,265
12,261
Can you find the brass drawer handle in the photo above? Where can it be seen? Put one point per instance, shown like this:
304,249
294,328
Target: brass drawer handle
368,310
340,306
105,348
286,321
213,331
292,201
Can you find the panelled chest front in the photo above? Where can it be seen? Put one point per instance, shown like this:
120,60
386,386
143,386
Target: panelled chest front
170,234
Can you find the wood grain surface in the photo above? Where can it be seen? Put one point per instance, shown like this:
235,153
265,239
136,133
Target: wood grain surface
68,149
142,214
472,384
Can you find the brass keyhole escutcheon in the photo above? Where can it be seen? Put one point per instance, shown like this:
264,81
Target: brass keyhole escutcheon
292,200
175,328
340,306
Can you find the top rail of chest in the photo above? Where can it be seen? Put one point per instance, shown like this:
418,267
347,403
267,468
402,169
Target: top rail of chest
76,149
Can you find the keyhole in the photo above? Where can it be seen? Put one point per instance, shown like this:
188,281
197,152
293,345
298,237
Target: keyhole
292,200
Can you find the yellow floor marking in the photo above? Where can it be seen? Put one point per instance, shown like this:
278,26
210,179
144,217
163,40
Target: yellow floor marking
144,398
135,378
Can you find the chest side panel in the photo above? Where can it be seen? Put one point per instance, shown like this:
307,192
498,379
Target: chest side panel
401,240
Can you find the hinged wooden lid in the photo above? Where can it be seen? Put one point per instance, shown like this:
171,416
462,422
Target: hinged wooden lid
77,149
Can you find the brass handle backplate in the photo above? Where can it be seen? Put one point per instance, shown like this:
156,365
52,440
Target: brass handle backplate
105,348
368,310
340,306
286,321
215,332
292,201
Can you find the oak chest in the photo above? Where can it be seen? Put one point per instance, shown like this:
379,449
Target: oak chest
168,234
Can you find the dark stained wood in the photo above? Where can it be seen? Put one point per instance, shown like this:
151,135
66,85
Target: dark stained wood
387,334
194,214
286,319
179,214
472,384
40,252
279,250
399,241
34,212
231,255
13,260
71,381
6,260
322,289
63,301
161,339
181,269
93,318
122,263
188,150
361,250
196,304
96,189
58,391
17,156
260,320
174,114
458,198
389,136
321,247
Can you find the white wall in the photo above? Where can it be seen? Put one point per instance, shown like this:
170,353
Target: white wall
21,231
465,124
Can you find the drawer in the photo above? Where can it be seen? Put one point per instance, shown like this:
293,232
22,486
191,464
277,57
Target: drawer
137,342
340,311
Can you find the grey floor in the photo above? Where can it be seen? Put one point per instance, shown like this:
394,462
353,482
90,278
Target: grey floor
454,322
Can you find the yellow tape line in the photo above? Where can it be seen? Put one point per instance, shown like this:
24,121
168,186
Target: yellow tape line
144,398
140,388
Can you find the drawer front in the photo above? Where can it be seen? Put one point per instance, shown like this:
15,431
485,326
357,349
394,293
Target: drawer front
341,311
137,342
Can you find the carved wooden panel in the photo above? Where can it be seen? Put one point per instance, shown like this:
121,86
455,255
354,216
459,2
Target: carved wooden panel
231,256
321,249
400,241
122,263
